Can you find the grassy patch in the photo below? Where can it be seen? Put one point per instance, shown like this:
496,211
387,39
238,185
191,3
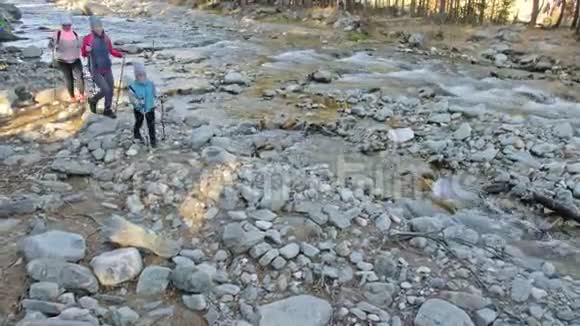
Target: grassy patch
357,36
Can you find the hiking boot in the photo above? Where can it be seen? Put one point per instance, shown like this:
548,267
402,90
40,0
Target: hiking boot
137,138
110,114
93,106
153,143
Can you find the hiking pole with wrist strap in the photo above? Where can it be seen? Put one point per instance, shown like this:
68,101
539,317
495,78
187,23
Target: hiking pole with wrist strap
162,99
120,83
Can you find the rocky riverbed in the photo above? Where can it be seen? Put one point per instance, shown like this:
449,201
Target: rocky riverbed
300,179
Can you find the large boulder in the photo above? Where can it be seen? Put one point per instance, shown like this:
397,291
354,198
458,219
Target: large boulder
54,244
11,10
117,266
73,167
153,280
31,52
69,276
437,312
303,310
241,237
416,40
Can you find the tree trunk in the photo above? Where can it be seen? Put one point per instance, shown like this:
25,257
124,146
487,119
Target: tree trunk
576,12
562,12
482,11
535,12
414,5
441,7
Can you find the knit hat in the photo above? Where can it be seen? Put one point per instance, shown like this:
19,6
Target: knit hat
66,20
139,68
95,22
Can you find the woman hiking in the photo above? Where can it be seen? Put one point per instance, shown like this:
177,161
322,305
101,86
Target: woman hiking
67,52
97,46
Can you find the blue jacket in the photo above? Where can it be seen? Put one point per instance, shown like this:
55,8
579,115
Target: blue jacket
142,96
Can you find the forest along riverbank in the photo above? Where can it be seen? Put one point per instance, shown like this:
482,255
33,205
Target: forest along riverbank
300,180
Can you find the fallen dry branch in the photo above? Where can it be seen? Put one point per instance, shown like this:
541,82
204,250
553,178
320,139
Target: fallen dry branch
565,210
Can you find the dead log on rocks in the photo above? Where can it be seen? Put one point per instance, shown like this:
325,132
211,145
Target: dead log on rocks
565,210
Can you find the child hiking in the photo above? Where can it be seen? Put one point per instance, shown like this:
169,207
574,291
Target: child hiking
66,47
97,46
142,97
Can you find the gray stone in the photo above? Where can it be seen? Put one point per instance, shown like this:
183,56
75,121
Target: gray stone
31,52
268,257
369,308
573,168
196,255
73,167
153,280
47,308
383,223
525,158
195,302
440,118
98,125
564,130
117,266
426,224
201,136
260,249
486,155
416,40
134,204
290,250
401,135
69,276
278,263
379,294
520,289
463,132
89,303
466,301
125,316
214,155
500,59
544,149
5,152
45,291
54,244
227,289
239,239
485,317
549,269
304,310
236,78
437,312
192,279
321,76
232,89
385,265
309,250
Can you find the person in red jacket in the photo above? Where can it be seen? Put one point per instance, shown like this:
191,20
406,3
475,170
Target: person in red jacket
97,46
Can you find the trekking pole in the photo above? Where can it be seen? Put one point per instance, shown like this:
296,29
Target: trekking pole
120,81
54,66
163,116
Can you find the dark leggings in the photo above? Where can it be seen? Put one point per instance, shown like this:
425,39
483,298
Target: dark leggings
150,117
72,71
